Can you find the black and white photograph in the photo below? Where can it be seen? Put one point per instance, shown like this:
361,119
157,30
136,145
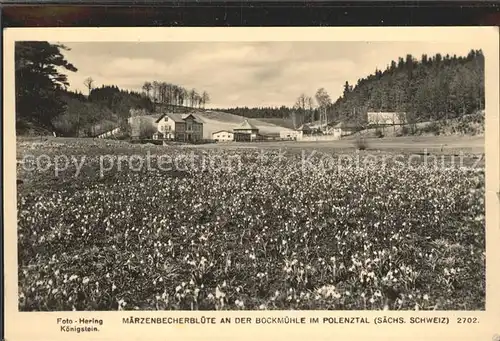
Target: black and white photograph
250,175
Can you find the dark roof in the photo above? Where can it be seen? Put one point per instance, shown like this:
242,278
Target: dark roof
304,127
220,131
179,117
246,126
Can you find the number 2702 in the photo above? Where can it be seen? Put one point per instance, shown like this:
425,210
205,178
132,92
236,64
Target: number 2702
467,320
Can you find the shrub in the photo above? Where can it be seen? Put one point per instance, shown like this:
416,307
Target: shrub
432,128
404,131
379,133
361,143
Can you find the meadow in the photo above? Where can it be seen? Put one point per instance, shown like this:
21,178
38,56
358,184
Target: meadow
249,228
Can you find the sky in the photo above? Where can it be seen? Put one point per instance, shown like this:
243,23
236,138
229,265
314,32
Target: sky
252,74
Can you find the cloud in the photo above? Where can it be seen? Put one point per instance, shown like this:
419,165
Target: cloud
241,73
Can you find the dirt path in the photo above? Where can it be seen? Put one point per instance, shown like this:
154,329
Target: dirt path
449,144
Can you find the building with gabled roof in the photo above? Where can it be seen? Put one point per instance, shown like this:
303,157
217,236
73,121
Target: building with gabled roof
223,136
245,132
180,127
342,129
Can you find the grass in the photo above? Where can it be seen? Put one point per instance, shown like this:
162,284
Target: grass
267,235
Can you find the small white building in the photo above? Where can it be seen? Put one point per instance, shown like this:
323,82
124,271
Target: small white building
223,136
289,134
386,118
340,130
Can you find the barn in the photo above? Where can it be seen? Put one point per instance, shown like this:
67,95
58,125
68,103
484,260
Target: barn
246,132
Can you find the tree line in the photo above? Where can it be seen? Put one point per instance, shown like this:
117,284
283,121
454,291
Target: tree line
426,89
102,109
172,94
45,105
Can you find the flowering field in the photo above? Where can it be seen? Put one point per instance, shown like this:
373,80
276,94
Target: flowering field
265,233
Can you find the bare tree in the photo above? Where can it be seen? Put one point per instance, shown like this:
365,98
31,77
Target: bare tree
192,97
301,102
205,98
324,101
89,84
162,92
310,108
156,90
184,96
147,88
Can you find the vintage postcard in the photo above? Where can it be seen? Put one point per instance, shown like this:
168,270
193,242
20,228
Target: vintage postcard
251,183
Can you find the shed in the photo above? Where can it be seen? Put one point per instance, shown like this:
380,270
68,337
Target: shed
245,132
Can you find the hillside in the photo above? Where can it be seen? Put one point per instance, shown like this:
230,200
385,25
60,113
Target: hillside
218,120
429,89
467,125
281,122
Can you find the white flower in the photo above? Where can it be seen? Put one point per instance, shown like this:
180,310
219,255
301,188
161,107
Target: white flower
218,293
426,297
85,280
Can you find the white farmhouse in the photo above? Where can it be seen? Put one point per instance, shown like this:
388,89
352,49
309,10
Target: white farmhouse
386,118
289,134
180,127
223,136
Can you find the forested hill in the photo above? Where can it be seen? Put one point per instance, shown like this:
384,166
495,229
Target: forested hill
429,88
105,108
260,112
43,103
